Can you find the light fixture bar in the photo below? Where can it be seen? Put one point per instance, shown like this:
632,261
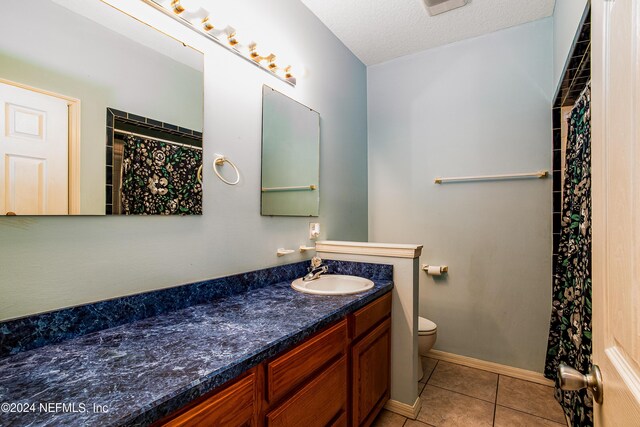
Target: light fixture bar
252,57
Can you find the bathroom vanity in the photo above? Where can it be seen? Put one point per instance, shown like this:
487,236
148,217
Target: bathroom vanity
237,350
337,377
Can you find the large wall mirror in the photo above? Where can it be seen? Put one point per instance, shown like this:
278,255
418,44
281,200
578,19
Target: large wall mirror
100,113
290,156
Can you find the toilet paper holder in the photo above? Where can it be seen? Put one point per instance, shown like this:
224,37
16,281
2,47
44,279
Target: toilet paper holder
435,270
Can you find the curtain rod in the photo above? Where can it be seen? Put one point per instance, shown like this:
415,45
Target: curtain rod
156,139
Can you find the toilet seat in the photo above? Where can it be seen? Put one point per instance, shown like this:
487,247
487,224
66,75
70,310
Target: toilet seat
426,327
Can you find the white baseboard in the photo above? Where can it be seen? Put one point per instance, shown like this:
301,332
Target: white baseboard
496,368
406,410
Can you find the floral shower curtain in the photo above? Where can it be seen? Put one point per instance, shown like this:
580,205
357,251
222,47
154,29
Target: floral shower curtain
160,178
570,332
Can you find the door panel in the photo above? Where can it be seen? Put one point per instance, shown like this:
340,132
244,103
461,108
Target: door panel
25,122
34,153
25,184
616,208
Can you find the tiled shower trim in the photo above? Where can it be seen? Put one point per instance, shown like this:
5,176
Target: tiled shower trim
575,79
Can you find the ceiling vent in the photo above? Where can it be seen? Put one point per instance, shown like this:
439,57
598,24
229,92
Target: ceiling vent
436,7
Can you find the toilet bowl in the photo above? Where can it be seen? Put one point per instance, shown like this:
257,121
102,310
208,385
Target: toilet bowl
427,334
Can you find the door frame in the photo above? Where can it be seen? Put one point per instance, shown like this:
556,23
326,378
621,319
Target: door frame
74,111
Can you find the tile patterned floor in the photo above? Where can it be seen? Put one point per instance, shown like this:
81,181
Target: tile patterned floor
457,396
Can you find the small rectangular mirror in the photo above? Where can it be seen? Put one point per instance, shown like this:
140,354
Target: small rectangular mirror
290,156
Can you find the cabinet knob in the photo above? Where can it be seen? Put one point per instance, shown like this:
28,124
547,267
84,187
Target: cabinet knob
11,214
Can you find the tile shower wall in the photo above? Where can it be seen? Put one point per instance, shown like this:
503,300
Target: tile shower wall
574,81
567,18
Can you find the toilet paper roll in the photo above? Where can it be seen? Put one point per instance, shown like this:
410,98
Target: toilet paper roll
434,270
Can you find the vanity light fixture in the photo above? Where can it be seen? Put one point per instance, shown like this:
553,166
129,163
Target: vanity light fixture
191,14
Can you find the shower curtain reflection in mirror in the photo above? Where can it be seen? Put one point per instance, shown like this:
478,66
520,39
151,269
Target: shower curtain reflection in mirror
155,170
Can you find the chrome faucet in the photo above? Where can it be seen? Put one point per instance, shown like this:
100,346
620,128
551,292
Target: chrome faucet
316,270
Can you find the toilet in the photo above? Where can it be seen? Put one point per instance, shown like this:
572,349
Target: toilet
427,333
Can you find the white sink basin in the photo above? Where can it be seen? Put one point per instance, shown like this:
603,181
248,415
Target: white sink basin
333,284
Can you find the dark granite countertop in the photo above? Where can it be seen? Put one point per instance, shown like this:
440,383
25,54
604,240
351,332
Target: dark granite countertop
142,371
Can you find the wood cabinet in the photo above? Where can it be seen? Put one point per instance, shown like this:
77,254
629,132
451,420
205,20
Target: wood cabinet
322,402
301,363
371,361
234,406
369,316
337,377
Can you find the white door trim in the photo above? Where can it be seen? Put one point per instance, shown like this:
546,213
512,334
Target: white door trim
74,141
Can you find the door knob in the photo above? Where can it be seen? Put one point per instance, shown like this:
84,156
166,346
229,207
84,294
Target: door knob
571,380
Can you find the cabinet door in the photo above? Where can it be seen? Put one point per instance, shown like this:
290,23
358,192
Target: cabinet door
371,374
322,402
232,407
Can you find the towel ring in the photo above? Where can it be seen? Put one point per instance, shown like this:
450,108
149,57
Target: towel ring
219,161
200,174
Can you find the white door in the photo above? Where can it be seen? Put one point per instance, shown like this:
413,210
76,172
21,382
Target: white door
616,208
34,153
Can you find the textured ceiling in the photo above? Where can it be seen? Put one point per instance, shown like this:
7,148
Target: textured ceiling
379,30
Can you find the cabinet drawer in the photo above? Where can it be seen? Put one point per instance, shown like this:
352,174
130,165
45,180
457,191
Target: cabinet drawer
320,403
369,316
294,367
232,407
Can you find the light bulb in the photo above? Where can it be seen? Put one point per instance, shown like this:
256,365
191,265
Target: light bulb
196,17
286,73
271,62
231,35
191,10
221,35
206,24
248,50
218,34
191,5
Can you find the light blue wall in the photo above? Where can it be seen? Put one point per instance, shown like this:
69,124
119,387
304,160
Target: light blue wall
481,106
567,17
48,263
